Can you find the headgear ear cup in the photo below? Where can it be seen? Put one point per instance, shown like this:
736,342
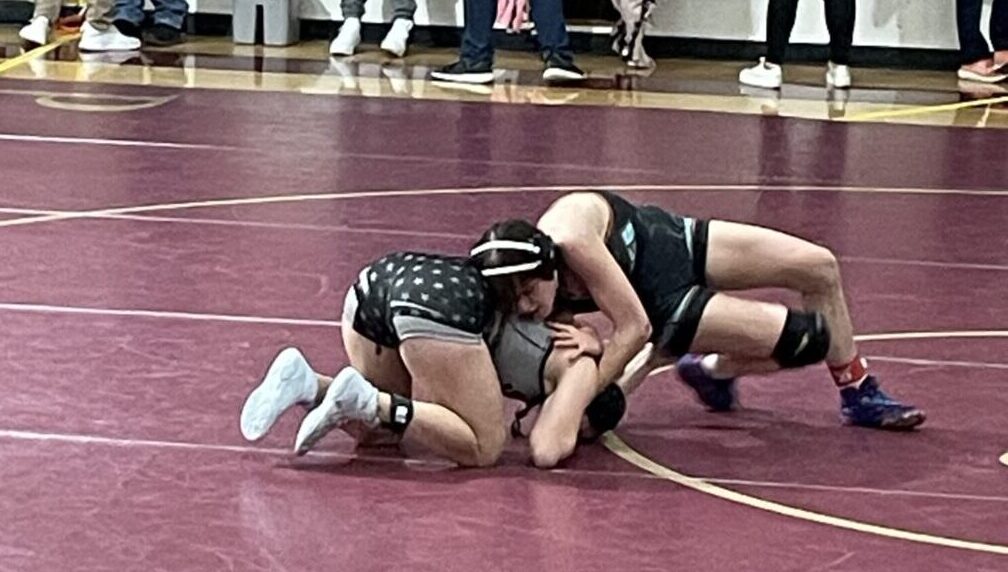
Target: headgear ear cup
547,252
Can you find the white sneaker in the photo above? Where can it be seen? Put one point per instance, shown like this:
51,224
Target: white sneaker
348,38
350,396
288,382
763,74
397,37
838,76
36,31
107,40
995,75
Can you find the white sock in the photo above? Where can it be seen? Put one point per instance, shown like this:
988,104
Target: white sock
710,363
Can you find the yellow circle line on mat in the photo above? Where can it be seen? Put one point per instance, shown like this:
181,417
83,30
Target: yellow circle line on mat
26,57
624,451
628,454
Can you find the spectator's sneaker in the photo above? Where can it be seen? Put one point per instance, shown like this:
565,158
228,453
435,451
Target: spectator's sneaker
838,76
348,38
561,70
163,35
464,71
36,31
763,74
396,40
989,74
129,29
1001,59
868,406
107,40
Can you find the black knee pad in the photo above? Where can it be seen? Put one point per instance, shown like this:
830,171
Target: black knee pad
804,341
605,411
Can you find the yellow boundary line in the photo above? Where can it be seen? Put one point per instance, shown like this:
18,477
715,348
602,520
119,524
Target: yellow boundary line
925,109
39,51
628,454
620,448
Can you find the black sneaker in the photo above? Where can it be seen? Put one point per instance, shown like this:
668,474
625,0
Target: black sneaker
561,70
464,71
163,35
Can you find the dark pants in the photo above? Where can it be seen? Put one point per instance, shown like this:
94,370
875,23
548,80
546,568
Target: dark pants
839,20
477,34
972,45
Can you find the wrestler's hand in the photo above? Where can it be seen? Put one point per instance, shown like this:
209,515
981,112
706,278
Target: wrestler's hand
584,339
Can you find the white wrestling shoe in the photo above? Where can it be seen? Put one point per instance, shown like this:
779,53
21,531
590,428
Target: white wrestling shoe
349,397
288,382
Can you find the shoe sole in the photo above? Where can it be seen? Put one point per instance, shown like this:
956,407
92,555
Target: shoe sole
391,51
343,50
558,75
469,78
271,398
905,422
99,49
973,76
764,85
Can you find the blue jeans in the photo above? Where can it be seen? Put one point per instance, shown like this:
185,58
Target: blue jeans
166,12
477,33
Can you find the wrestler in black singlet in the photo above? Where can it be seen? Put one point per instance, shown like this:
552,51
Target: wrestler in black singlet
664,257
